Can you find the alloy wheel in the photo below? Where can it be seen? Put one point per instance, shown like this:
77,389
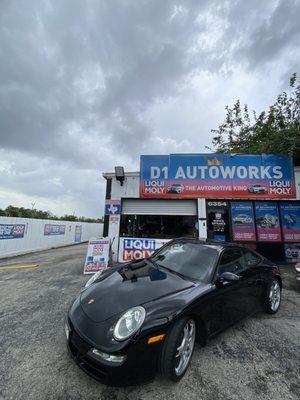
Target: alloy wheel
185,349
275,296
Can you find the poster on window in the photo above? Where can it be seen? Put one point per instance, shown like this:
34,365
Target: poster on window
97,255
292,252
290,221
138,248
243,228
267,221
218,224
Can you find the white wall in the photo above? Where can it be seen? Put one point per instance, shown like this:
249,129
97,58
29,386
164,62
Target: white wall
34,238
129,189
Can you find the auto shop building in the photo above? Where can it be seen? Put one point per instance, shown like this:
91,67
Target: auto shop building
249,199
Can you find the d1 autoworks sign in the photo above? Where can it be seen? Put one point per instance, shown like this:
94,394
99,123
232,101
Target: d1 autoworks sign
217,176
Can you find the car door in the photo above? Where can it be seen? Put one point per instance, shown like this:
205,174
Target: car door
231,301
253,264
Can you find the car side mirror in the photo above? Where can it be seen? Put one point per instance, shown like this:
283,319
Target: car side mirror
228,277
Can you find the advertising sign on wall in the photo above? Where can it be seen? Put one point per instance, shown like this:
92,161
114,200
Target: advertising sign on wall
51,229
290,221
112,207
12,231
137,248
267,221
243,228
78,233
97,255
217,175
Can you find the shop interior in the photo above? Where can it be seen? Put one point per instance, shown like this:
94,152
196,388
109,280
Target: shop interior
158,226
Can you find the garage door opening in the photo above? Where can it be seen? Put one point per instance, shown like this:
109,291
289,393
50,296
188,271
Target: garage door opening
161,219
158,226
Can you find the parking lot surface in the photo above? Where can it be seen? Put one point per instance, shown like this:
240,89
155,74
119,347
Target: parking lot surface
259,358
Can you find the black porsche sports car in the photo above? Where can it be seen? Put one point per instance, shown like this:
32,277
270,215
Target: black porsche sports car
144,316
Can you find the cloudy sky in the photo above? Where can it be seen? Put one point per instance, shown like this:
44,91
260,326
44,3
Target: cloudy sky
88,84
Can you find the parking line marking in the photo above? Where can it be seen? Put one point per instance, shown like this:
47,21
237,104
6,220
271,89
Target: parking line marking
18,266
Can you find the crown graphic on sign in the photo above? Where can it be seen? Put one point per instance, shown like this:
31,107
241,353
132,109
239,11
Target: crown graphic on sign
214,161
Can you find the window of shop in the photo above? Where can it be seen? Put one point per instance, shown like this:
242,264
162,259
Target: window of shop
158,226
218,220
267,226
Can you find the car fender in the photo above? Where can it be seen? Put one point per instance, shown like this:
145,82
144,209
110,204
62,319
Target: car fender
163,313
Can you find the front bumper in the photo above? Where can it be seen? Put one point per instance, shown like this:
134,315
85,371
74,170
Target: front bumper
140,364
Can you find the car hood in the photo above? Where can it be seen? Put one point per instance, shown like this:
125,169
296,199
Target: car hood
127,287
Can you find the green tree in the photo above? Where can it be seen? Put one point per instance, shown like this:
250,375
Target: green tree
69,217
274,131
21,212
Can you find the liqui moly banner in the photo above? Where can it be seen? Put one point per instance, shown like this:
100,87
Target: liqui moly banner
217,175
12,231
137,248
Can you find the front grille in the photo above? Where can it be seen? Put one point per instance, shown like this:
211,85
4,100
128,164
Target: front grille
79,345
79,349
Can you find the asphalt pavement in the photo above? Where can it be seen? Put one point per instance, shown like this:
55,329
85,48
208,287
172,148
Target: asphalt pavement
259,358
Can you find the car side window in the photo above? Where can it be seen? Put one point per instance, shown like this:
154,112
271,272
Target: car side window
251,259
232,261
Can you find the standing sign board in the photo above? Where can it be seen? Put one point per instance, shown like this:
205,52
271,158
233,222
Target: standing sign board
97,255
217,176
137,248
267,222
243,228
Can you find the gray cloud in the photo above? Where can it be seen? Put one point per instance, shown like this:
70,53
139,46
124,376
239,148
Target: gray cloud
278,33
87,84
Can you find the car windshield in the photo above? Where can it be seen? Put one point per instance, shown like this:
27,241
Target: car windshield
192,260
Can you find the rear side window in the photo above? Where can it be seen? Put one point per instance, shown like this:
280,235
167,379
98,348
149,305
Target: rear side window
251,258
232,261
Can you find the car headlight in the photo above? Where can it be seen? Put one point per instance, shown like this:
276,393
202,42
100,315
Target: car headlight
93,279
129,323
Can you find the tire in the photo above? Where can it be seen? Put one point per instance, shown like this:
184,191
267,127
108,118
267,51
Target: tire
272,299
170,358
